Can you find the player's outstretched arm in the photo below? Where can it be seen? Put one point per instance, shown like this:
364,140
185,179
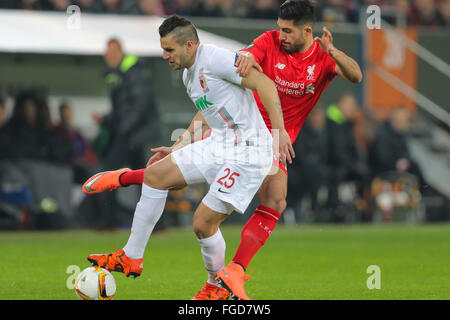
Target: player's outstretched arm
268,94
346,67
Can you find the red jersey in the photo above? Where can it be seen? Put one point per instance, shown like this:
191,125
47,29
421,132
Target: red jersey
300,78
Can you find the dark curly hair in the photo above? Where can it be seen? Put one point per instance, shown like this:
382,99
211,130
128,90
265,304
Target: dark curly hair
300,11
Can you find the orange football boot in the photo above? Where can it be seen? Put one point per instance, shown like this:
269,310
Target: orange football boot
232,278
118,261
212,292
103,181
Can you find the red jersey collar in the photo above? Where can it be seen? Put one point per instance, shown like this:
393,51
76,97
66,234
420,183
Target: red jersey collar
302,55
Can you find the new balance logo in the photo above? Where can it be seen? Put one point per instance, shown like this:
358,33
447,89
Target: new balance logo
280,66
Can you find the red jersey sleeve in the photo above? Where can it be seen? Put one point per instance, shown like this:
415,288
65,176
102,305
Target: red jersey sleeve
260,47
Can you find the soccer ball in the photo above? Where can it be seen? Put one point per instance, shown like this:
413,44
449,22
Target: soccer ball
95,283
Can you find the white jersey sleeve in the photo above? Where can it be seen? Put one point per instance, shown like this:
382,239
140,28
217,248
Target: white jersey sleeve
222,64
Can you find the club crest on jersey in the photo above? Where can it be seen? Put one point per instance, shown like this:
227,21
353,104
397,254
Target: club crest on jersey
310,71
203,82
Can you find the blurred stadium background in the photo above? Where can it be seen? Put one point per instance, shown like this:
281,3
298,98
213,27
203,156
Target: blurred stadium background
376,152
372,158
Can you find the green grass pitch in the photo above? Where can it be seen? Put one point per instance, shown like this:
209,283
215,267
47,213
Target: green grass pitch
296,263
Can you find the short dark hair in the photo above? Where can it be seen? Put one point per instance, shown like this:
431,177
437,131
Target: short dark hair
300,11
183,29
114,40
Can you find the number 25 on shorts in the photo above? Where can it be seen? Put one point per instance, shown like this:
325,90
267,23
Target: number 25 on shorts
228,179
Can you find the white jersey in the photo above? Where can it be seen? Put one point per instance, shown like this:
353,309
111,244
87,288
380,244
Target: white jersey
215,88
238,155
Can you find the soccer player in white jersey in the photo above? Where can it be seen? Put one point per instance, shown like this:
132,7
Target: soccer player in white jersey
234,160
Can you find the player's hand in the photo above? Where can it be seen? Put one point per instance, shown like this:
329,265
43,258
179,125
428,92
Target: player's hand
326,41
245,63
285,150
160,153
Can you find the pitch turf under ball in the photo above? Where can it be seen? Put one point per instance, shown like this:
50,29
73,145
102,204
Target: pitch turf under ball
305,262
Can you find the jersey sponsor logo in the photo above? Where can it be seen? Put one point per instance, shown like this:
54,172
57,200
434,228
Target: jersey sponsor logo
310,88
280,66
202,103
310,71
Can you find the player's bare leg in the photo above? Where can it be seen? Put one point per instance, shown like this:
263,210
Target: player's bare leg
158,179
273,191
206,227
272,199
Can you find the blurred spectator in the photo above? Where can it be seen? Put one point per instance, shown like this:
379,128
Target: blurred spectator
236,8
89,6
389,149
403,5
60,5
183,7
33,5
3,136
3,116
308,171
425,13
152,7
78,151
444,9
264,9
344,159
208,8
419,12
8,4
28,128
132,126
119,7
333,11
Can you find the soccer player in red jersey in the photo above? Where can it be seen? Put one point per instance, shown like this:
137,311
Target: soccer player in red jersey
301,67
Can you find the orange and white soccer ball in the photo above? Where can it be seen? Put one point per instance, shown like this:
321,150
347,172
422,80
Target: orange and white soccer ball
95,283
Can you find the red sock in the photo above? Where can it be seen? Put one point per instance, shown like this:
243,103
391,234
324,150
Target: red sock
255,233
132,177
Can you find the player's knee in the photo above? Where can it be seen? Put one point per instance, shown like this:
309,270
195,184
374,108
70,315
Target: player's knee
204,229
281,205
200,229
277,204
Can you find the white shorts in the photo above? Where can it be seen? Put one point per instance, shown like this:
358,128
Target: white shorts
234,177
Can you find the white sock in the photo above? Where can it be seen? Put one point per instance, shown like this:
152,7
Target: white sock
213,253
147,213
